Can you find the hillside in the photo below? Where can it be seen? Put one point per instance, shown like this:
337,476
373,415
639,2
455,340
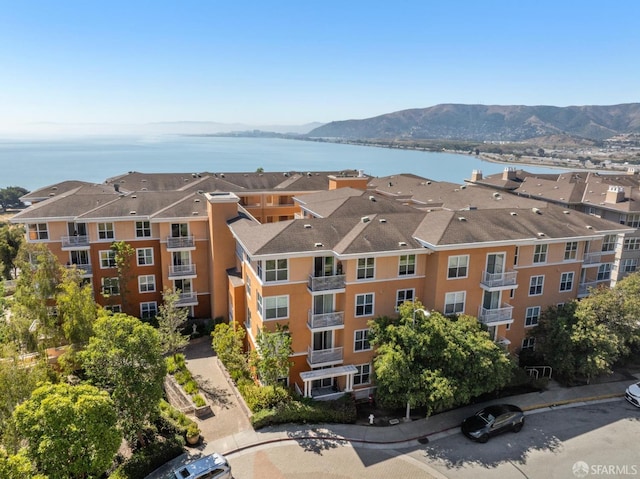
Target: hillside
490,123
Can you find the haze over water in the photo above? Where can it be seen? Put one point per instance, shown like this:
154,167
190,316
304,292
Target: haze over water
35,163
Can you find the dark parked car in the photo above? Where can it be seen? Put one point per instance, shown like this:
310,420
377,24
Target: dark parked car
493,420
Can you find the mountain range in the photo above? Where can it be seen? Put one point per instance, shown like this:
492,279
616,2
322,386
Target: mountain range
490,123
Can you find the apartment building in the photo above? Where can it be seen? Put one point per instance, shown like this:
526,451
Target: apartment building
613,196
324,253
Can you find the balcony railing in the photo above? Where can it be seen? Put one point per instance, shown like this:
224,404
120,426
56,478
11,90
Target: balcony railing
326,320
180,242
496,315
182,270
75,241
583,288
322,356
84,268
326,283
497,280
187,299
592,258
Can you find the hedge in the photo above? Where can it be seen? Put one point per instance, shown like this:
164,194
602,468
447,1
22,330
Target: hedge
342,410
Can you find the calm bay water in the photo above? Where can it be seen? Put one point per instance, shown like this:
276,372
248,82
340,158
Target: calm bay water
34,163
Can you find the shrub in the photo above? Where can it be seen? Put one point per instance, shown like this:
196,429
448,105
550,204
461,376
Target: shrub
262,397
146,460
171,421
182,376
339,411
198,400
191,387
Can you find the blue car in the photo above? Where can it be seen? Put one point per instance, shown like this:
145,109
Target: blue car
493,420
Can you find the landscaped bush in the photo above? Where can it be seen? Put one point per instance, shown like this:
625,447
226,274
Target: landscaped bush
178,368
146,460
198,400
171,421
262,397
339,411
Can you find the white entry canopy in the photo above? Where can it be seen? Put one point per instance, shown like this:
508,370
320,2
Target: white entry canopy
328,373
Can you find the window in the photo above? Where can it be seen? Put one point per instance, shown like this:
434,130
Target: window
105,231
38,232
609,243
571,250
276,307
145,256
515,255
143,229
365,268
631,244
630,265
247,284
107,259
528,343
147,283
363,376
458,266
454,302
535,285
179,230
110,286
540,253
403,295
258,302
275,270
633,220
364,304
532,316
148,310
407,264
114,308
566,281
604,272
361,340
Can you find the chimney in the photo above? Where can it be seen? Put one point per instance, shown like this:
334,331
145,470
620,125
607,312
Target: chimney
615,194
632,171
476,175
509,173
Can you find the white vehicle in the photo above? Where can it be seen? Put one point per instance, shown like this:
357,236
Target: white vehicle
214,466
632,394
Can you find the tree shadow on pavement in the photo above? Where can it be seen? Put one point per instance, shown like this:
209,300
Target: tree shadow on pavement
317,440
218,396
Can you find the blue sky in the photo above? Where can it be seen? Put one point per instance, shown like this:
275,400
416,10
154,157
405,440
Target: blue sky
293,62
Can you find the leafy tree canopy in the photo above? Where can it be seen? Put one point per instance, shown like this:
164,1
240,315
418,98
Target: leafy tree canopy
228,344
171,318
10,197
11,239
272,359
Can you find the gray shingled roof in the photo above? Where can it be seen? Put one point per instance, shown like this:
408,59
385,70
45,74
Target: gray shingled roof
56,189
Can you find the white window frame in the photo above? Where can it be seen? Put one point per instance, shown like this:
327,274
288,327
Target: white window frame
528,343
630,265
609,243
278,268
142,253
114,308
537,278
38,231
566,277
631,244
540,253
454,302
367,301
146,308
401,296
247,284
106,231
107,258
366,268
360,343
632,220
454,264
532,316
570,250
147,283
360,376
278,304
143,229
407,265
604,272
114,284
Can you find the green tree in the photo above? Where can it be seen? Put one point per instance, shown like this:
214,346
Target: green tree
433,361
228,344
17,466
272,358
11,239
124,356
10,197
70,430
124,254
171,318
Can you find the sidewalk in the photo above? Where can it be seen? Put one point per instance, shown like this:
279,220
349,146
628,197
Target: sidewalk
402,435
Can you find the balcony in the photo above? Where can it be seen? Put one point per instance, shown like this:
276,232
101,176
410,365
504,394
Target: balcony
592,258
326,283
333,320
180,242
324,357
75,242
583,288
182,271
496,316
187,299
85,269
505,280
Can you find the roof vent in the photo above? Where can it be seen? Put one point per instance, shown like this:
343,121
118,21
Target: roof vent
462,218
513,213
463,187
285,174
193,175
194,213
541,234
221,175
134,196
318,245
402,243
589,227
428,182
197,200
307,226
309,173
566,212
54,188
536,211
132,212
52,194
365,219
372,198
143,189
496,194
382,220
200,192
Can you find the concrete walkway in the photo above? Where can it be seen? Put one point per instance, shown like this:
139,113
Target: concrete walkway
232,434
